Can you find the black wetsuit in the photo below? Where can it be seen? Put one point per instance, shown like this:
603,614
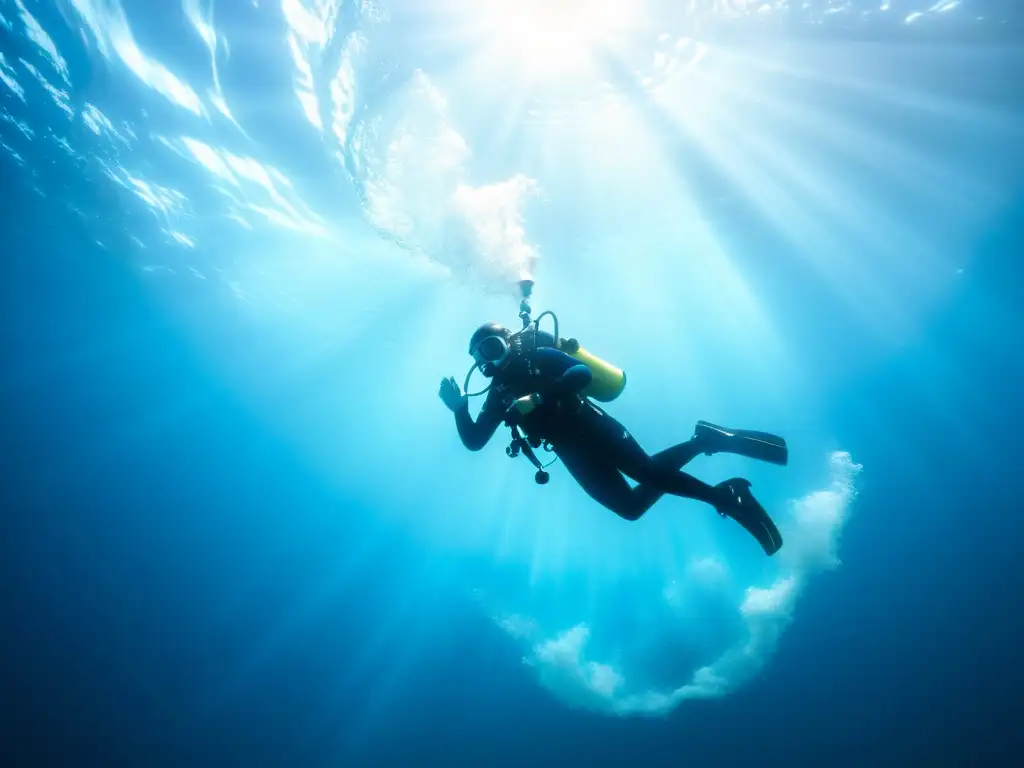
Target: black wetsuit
595,448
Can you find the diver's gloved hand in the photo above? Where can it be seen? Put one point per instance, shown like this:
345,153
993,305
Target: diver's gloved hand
452,395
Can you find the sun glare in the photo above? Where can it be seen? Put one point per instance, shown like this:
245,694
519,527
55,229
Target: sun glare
553,36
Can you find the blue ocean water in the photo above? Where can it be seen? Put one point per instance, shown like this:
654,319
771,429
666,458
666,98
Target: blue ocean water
244,241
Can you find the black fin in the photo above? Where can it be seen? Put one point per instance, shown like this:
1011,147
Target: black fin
762,446
749,513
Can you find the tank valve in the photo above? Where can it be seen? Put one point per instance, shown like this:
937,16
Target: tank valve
525,311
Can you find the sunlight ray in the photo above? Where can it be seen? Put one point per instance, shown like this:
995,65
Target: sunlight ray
824,210
787,212
500,108
913,255
878,87
857,141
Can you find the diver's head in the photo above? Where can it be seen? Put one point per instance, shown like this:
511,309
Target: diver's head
490,346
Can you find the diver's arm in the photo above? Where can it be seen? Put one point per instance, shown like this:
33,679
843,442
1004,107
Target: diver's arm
476,434
573,381
574,376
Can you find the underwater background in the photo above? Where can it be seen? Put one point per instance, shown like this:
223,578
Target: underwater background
244,240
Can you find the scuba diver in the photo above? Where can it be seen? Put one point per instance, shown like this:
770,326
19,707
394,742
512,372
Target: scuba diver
545,386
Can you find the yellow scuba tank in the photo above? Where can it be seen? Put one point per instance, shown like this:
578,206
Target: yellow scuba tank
608,381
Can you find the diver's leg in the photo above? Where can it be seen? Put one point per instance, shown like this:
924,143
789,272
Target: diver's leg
646,495
602,481
732,498
607,449
620,448
678,456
